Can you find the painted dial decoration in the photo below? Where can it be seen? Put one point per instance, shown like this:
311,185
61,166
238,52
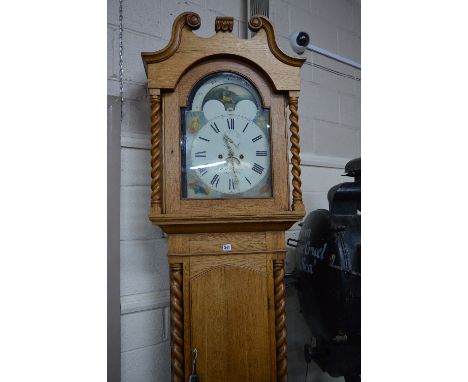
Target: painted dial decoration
226,140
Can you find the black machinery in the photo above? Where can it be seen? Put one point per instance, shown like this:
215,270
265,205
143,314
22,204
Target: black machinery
328,278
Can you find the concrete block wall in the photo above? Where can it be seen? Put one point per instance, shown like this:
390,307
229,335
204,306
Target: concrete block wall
330,135
329,104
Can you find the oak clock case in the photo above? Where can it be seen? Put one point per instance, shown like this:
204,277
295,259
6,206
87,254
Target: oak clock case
220,188
225,144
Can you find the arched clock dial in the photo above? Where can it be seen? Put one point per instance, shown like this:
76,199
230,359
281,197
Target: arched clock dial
226,140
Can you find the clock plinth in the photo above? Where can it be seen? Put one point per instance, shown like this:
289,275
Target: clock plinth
220,189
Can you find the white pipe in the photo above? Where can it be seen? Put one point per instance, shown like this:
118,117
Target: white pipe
300,42
334,56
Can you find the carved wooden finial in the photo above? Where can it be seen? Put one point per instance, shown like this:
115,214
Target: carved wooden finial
193,20
255,23
224,24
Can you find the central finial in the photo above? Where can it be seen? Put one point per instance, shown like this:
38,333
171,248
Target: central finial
224,24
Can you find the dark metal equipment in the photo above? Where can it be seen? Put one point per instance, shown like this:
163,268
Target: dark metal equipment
328,278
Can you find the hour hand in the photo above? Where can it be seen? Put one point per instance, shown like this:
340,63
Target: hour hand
231,141
228,140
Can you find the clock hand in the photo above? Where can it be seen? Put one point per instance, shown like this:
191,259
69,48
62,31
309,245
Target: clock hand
236,179
228,140
226,143
230,150
231,157
231,141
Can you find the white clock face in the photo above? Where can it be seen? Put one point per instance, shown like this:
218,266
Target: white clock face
231,154
226,142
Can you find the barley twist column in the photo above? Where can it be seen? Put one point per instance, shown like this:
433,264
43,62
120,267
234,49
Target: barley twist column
280,321
297,204
156,151
177,324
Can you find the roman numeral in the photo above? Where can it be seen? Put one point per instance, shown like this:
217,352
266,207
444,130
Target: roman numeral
201,154
261,153
247,179
232,184
257,168
245,127
207,140
256,138
214,126
230,125
215,181
203,171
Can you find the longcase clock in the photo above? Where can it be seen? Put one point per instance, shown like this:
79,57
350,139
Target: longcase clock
220,189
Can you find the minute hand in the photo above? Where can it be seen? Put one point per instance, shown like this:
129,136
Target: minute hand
236,179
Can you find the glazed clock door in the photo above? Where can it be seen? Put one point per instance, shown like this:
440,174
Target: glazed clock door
230,323
225,140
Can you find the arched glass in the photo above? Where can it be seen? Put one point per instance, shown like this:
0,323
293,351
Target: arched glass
225,145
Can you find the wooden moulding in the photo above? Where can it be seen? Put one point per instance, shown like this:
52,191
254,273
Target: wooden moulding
183,223
165,67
